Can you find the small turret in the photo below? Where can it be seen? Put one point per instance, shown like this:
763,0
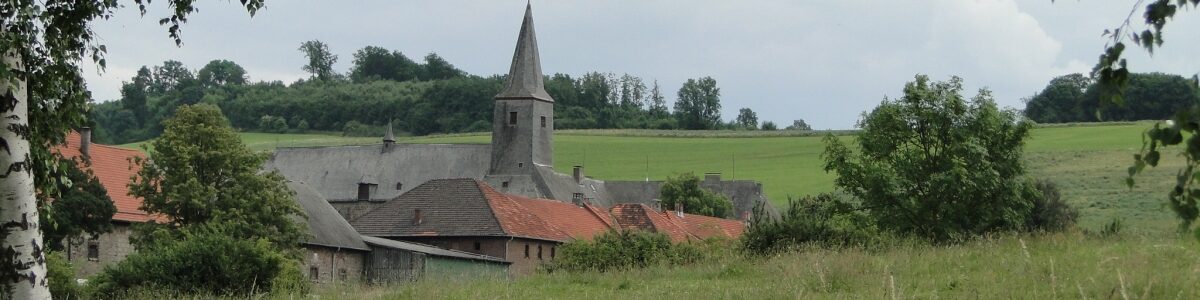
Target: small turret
389,139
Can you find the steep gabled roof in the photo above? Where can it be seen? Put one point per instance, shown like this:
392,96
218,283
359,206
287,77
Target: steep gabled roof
114,168
525,75
325,225
469,207
447,207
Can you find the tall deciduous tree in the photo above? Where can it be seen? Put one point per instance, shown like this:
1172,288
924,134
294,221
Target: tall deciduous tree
199,171
374,63
747,118
221,72
658,103
320,60
437,68
935,165
42,96
699,104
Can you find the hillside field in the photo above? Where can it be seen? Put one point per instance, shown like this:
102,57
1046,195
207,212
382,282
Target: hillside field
1088,161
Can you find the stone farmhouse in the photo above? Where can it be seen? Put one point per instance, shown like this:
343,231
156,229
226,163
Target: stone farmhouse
335,252
518,161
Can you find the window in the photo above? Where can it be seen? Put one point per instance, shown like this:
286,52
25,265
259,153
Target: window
539,251
521,165
543,121
577,198
526,250
512,118
364,191
93,250
551,252
477,246
342,274
314,273
399,186
504,184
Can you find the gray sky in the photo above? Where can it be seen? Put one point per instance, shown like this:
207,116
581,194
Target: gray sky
822,61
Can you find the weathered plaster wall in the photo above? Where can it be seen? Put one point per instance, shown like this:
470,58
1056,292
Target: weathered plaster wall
332,263
113,246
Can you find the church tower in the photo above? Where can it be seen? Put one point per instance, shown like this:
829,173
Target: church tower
523,118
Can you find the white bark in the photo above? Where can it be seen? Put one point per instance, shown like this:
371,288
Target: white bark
18,205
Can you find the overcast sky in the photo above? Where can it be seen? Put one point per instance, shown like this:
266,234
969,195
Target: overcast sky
822,61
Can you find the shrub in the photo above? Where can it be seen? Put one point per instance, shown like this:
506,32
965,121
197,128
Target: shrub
615,250
272,124
823,220
1050,212
61,277
205,261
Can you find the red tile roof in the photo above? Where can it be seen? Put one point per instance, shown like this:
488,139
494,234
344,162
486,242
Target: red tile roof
636,216
113,167
708,227
580,223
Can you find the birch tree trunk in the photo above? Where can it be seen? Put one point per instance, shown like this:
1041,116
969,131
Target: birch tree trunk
22,250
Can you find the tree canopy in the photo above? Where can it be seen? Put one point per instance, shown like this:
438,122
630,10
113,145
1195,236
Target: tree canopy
320,60
699,104
936,165
1076,98
684,189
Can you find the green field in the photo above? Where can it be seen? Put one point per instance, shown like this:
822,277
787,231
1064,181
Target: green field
1088,161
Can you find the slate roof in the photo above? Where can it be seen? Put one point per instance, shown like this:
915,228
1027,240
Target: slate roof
337,171
469,207
430,250
113,167
525,75
448,207
325,225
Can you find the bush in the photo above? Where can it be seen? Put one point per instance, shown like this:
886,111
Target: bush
1050,212
824,220
354,128
623,250
61,277
205,261
272,124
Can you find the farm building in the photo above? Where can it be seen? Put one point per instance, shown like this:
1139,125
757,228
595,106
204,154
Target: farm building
469,215
519,160
112,166
336,253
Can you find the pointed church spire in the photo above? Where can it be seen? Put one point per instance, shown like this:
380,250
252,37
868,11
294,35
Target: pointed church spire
525,76
389,138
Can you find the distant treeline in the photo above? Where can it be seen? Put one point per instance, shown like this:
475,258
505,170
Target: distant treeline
1076,98
386,86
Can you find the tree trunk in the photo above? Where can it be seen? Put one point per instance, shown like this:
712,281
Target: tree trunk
24,263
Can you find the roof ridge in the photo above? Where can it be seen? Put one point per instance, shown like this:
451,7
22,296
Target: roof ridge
484,188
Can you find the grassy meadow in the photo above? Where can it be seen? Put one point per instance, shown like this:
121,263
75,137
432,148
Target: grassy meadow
1147,260
1088,161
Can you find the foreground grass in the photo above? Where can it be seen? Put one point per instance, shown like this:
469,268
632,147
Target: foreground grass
1067,265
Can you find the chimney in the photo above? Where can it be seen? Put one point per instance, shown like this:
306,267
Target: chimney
657,204
416,217
578,173
85,141
679,209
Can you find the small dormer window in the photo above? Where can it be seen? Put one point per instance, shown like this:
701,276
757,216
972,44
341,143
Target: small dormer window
512,118
364,191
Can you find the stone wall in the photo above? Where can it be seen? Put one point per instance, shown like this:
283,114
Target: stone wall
110,248
324,265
